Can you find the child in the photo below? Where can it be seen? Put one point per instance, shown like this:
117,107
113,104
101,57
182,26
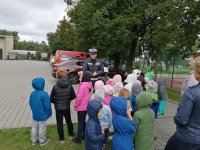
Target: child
108,91
98,85
135,91
81,102
41,110
130,80
117,88
117,78
144,120
125,93
124,126
61,95
152,87
162,95
106,117
94,135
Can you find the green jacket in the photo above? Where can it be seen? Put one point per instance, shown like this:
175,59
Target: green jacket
144,120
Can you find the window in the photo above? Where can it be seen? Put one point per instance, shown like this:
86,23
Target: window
80,63
65,57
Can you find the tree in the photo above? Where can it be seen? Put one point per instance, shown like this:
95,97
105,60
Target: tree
125,29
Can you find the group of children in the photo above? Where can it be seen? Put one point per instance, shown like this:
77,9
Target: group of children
126,109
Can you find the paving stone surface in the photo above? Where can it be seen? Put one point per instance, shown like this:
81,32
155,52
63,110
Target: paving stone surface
15,89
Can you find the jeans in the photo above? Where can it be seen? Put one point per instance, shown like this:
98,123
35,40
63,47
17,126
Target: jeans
59,119
175,144
81,124
38,131
155,107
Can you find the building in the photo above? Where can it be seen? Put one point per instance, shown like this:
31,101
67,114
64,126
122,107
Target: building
6,46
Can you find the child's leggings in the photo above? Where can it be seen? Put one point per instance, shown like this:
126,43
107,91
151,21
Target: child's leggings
162,106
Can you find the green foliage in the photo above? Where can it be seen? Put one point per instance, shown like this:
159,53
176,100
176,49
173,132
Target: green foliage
63,38
124,29
173,94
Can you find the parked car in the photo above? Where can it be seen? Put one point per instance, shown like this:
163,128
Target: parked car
62,55
73,65
76,65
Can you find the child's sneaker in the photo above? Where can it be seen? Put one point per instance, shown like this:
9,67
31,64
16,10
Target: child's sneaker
34,143
71,137
76,140
61,141
44,143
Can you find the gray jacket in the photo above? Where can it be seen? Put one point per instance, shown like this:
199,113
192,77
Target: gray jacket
94,65
187,117
162,93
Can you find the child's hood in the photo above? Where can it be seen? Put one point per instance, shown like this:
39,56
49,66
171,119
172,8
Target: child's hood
149,75
131,78
98,85
108,90
144,99
152,86
88,85
63,82
119,105
162,81
93,109
38,83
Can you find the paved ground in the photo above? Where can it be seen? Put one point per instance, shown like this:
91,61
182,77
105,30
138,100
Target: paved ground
15,88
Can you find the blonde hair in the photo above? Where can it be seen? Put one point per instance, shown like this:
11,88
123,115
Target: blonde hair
196,65
62,72
125,93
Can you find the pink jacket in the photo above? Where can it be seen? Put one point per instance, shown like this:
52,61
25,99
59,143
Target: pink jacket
83,96
107,99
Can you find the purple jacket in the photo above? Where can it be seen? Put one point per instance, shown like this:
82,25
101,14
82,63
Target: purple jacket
83,96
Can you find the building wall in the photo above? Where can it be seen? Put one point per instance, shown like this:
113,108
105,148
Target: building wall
2,45
6,43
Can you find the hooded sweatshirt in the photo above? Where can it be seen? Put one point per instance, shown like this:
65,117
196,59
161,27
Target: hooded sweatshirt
94,139
106,117
62,93
108,90
162,93
123,127
117,88
144,120
116,78
39,101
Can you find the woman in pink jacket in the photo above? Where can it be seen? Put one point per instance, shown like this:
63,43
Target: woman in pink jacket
81,102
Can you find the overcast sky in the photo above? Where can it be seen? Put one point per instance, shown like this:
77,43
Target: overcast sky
32,19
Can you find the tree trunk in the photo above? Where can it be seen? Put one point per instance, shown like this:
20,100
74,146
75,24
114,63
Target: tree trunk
131,55
117,59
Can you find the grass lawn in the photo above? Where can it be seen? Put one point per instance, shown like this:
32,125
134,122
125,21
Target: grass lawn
173,94
19,139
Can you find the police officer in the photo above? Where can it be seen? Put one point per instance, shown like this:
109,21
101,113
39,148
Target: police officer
94,65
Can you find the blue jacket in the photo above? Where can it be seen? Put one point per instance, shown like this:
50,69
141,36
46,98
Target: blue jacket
187,117
39,101
106,117
123,127
94,139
